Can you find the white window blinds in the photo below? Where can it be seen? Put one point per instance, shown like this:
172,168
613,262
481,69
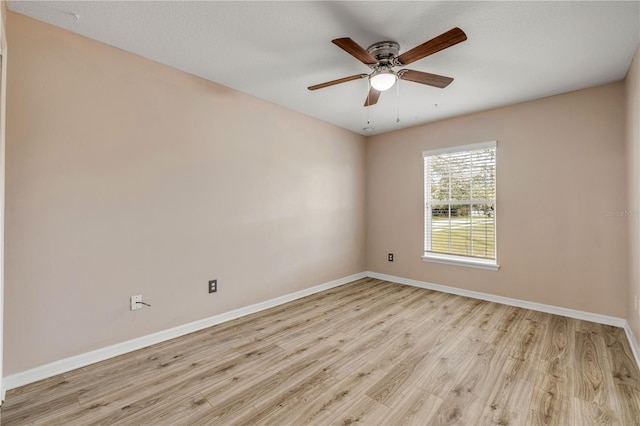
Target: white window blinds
460,201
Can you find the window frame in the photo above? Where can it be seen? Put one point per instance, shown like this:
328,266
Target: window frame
455,259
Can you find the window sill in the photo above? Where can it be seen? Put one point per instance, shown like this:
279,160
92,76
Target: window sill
461,261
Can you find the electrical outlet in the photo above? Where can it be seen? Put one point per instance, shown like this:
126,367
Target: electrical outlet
390,257
213,286
134,302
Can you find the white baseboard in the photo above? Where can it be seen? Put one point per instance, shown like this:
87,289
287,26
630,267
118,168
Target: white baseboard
58,367
571,313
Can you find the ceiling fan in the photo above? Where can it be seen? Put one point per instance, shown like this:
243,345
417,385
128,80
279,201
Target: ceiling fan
382,57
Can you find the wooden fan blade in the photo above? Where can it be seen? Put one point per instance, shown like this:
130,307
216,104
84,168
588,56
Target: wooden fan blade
434,80
372,97
448,39
355,50
338,81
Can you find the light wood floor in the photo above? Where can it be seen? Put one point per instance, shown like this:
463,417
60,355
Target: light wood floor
369,352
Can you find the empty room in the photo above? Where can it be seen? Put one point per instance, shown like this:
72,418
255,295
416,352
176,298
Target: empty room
317,213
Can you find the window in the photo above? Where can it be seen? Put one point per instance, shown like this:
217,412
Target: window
460,205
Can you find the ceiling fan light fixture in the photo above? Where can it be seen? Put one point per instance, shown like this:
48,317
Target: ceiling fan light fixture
382,80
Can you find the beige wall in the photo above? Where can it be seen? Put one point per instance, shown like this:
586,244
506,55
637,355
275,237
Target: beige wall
633,157
128,177
560,166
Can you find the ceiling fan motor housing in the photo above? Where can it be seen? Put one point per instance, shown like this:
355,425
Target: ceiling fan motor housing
385,52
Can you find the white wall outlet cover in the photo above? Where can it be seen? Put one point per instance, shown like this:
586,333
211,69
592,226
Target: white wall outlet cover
134,302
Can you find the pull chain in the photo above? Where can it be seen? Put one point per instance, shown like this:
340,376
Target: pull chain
398,99
368,102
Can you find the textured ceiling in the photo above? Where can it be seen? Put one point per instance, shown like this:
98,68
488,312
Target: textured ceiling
515,51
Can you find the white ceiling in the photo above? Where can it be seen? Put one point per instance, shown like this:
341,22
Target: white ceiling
515,51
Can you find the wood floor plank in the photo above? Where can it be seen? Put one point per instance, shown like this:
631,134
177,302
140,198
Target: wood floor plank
550,403
491,318
446,365
163,353
336,399
472,389
94,386
24,399
282,403
365,348
589,413
363,410
556,347
398,349
325,335
238,401
388,390
172,414
103,390
507,326
119,406
508,402
417,408
245,378
526,349
628,404
464,393
589,384
368,352
625,373
42,412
